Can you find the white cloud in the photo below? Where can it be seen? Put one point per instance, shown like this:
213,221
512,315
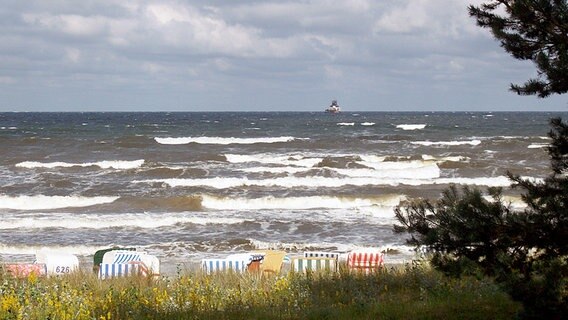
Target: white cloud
69,24
73,54
220,50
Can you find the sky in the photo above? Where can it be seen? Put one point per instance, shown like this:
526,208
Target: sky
237,55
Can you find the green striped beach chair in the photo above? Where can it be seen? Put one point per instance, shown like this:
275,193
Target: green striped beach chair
314,265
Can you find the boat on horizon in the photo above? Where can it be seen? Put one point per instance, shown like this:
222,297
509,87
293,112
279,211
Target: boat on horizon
333,108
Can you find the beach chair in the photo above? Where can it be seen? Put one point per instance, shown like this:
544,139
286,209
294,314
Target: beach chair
240,262
24,270
365,260
58,263
223,265
304,265
147,265
113,270
321,254
272,262
98,257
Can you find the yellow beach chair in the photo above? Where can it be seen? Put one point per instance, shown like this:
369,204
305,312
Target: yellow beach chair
272,262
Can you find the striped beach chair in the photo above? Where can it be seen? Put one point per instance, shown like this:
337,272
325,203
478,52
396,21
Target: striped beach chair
321,254
238,262
98,256
223,265
126,256
365,260
114,270
314,265
147,265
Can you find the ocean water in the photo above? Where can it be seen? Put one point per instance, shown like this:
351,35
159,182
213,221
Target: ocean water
185,186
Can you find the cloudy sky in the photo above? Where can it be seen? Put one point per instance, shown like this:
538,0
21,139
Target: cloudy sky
237,55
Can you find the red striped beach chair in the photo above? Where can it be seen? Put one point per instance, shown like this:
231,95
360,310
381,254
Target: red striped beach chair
365,260
24,270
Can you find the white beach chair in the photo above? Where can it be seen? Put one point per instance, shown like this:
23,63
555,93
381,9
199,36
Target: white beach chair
57,263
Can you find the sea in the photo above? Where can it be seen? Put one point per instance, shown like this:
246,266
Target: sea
188,186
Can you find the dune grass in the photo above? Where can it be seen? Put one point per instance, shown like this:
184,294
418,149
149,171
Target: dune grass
411,292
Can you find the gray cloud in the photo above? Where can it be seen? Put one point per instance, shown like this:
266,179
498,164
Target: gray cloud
254,55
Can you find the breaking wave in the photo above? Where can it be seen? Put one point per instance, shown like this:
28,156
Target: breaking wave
411,127
447,143
129,220
117,164
224,141
325,182
299,203
42,202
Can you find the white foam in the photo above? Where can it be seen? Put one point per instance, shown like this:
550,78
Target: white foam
516,202
368,124
411,126
110,164
538,145
294,163
9,249
346,123
299,203
224,141
130,220
447,143
379,170
41,202
283,160
325,182
446,159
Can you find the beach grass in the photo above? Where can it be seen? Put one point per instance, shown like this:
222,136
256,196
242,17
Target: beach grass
412,291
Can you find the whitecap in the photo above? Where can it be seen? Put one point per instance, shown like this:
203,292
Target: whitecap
224,141
447,143
107,164
42,202
411,126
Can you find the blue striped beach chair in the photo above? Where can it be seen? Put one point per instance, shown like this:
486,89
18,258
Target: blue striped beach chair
314,265
223,265
147,264
126,256
114,270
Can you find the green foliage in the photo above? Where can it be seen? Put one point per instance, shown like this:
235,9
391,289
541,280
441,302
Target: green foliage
534,30
411,292
462,230
526,251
